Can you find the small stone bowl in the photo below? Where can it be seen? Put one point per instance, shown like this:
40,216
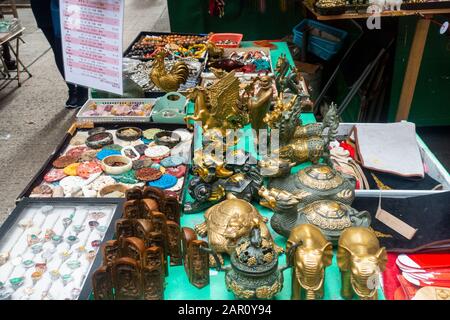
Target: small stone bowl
116,164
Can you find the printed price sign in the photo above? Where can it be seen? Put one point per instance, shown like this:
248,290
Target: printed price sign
92,32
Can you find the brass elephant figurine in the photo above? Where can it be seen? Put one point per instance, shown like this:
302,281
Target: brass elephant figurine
310,253
360,260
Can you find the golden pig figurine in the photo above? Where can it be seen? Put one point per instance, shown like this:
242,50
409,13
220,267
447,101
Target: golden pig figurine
310,253
360,260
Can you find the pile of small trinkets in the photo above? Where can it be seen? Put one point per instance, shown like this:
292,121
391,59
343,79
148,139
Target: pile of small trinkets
179,45
256,61
105,163
139,73
134,109
227,42
48,254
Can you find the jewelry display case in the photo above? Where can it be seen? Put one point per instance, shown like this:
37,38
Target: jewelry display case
50,247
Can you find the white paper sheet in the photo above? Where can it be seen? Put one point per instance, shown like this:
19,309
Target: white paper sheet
92,32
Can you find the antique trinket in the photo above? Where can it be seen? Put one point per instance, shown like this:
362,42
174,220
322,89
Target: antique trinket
99,140
196,258
168,80
174,243
259,105
309,253
330,216
254,269
167,138
317,182
126,279
218,106
129,133
361,260
153,274
227,222
116,165
285,118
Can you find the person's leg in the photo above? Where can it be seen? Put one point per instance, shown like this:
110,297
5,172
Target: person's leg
9,61
42,12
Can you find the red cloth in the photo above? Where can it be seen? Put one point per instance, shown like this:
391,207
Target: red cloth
349,148
390,280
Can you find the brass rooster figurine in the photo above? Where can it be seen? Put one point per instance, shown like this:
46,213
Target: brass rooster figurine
168,81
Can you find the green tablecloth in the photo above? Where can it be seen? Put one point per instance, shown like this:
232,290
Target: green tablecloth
178,286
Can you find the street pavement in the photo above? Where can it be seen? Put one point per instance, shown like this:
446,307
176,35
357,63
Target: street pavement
33,118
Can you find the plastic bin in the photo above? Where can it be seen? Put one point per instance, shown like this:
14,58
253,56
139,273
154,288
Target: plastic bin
321,47
236,37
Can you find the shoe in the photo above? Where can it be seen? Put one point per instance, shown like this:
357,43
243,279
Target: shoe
82,96
11,65
71,103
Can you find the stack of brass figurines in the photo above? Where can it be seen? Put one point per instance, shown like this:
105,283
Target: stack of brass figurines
311,208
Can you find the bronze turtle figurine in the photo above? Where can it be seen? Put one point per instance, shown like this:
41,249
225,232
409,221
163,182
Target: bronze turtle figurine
317,182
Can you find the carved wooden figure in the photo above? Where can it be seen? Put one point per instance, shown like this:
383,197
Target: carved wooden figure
124,228
196,258
133,247
132,209
102,284
111,251
172,209
187,235
142,229
198,263
153,274
174,241
127,279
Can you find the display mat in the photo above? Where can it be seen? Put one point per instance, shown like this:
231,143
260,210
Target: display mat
111,127
51,247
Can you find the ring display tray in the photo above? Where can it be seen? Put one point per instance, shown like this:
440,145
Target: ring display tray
49,247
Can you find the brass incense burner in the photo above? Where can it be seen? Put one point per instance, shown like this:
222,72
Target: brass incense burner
254,271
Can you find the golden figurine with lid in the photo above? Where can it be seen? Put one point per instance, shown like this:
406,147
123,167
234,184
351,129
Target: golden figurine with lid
227,222
309,253
361,260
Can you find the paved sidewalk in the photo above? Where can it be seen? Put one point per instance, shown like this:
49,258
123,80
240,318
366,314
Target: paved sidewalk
33,118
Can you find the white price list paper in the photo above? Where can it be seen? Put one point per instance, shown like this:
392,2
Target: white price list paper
92,32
